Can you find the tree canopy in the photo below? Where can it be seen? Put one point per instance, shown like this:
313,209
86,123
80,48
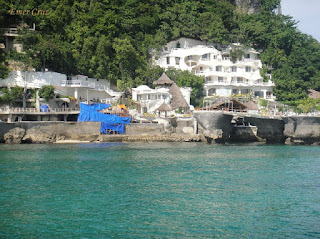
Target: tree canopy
111,39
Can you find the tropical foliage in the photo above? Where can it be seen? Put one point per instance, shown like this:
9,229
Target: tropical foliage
112,39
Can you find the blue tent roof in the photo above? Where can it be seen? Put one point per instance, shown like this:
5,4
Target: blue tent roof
109,121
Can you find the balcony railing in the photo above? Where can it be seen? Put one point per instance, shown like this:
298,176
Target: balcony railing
13,31
34,110
77,83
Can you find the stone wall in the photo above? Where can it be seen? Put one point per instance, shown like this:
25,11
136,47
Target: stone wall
144,129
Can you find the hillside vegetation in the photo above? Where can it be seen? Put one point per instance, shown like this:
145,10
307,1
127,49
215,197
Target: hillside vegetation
110,39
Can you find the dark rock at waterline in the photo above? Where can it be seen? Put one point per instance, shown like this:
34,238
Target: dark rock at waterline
270,129
303,129
14,136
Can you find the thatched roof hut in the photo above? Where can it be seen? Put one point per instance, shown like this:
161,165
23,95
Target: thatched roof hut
163,80
251,106
164,107
177,101
314,94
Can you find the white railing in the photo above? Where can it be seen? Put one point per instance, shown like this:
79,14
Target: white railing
77,83
13,31
20,83
109,101
34,110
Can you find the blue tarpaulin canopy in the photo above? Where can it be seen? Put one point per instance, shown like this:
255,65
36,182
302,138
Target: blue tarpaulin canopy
44,108
108,121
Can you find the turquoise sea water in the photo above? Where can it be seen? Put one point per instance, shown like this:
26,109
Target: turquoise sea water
160,190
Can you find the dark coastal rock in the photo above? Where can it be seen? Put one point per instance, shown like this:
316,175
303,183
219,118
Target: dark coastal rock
244,134
270,129
38,135
14,136
216,125
302,129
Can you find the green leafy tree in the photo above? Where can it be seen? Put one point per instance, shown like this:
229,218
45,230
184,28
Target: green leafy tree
12,94
47,92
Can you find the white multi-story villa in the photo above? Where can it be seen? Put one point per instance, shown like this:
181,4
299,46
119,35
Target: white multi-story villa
80,87
166,91
223,77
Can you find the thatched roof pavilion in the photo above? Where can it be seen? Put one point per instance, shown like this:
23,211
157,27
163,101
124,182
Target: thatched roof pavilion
251,105
164,108
177,101
163,80
314,94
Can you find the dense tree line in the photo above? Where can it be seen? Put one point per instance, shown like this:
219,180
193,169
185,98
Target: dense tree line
111,39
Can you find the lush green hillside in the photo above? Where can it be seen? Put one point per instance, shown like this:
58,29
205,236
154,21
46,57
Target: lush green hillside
110,39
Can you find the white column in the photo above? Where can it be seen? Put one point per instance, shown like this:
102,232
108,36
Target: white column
264,94
76,93
37,100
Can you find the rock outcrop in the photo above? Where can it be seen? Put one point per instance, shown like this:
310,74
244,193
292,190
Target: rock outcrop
14,136
269,128
39,136
216,125
302,129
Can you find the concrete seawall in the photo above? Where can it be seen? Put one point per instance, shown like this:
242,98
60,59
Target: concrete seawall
213,126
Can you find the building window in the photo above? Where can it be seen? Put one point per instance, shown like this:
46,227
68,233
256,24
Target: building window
168,60
220,79
225,57
165,48
205,57
248,69
208,78
177,60
164,97
219,68
239,80
201,69
214,56
247,56
148,96
138,97
234,69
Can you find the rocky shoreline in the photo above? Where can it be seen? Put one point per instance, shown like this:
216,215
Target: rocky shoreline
209,127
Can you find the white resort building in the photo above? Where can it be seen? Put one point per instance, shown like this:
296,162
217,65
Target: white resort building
223,77
82,88
166,96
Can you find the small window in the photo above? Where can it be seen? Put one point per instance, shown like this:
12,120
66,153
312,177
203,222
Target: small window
201,68
248,69
219,68
247,56
164,97
234,69
177,60
220,79
165,48
168,60
239,80
138,97
148,96
208,78
214,56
